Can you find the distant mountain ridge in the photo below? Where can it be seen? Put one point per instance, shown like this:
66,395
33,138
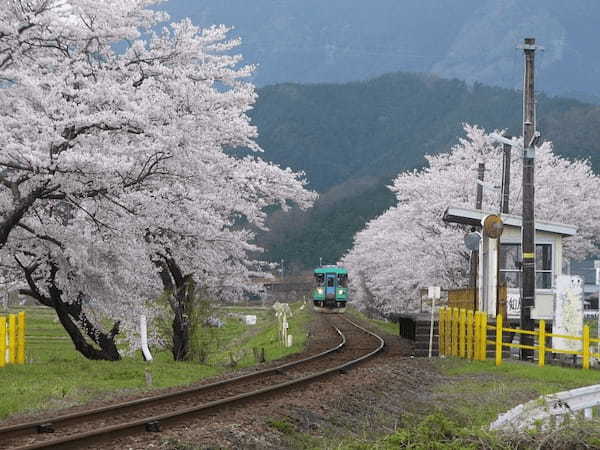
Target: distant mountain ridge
351,139
387,124
474,40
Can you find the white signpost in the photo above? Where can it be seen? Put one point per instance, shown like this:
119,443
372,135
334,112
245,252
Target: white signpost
434,293
597,267
568,312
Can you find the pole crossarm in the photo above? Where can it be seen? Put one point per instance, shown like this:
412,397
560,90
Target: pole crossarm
514,142
531,47
488,185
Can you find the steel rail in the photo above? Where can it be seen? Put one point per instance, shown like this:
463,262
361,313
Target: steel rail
147,423
11,431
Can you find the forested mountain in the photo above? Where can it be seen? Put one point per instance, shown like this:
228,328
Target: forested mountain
351,139
474,40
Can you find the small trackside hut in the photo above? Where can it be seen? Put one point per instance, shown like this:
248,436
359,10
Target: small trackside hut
330,293
499,264
498,276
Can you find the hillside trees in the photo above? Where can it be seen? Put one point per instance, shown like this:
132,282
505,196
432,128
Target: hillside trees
409,246
116,181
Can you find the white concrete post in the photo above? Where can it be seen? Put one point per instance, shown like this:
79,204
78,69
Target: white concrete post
144,338
285,330
433,292
597,267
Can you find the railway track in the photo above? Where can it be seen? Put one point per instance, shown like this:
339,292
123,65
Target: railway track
88,429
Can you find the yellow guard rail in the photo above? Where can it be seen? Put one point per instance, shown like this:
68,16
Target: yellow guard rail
464,334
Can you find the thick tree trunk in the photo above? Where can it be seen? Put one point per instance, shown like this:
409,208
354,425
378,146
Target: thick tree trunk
181,289
75,322
181,337
69,315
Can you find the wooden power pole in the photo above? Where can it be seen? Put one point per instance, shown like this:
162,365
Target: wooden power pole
480,175
528,189
506,155
501,286
475,254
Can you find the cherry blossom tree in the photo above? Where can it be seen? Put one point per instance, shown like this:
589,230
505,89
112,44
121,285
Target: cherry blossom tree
117,172
409,246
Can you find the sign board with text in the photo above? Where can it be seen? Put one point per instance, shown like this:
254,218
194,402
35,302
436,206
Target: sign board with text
568,312
513,305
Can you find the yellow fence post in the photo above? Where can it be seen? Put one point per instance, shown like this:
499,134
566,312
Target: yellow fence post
542,343
483,352
454,331
448,331
443,336
2,341
477,332
12,338
461,332
586,347
21,338
470,334
499,339
440,331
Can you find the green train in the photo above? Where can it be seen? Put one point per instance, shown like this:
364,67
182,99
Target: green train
330,293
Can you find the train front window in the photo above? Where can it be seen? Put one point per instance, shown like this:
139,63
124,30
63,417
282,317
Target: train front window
343,280
319,278
330,282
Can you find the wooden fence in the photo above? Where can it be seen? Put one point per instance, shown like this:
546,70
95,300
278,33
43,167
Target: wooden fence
464,333
12,339
467,298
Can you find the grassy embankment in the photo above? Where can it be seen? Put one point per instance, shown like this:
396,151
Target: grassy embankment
474,395
57,376
382,325
459,410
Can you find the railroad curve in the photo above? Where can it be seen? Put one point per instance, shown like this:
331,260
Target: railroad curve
153,413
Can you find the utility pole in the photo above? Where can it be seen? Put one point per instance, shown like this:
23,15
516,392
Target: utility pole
504,199
474,266
480,175
506,155
528,228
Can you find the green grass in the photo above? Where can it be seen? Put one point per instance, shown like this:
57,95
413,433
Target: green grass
57,376
241,339
458,410
475,393
545,380
282,426
480,391
383,325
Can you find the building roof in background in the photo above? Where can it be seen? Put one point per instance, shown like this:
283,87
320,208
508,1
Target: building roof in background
474,217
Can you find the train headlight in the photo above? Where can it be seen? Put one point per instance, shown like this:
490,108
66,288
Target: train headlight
340,292
320,291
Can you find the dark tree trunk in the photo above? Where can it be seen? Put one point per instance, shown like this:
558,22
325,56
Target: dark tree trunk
181,289
75,322
181,337
71,314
